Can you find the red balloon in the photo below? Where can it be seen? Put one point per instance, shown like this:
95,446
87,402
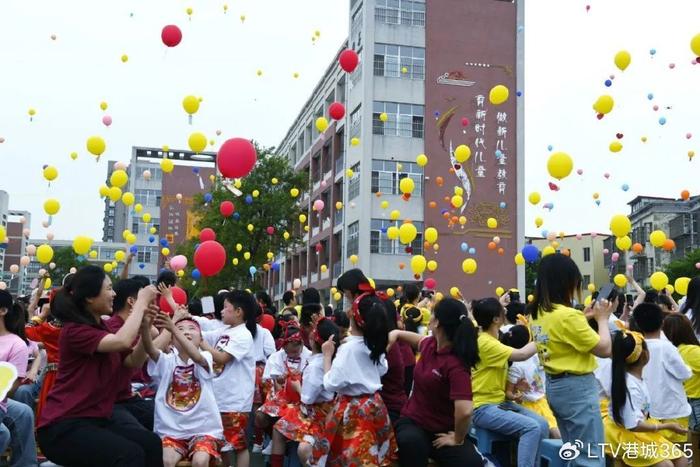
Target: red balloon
465,121
348,60
430,283
226,209
180,297
319,248
336,110
236,158
210,258
206,235
171,35
270,230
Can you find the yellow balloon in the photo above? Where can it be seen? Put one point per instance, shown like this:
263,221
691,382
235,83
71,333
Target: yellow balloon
138,208
500,291
491,223
234,261
74,155
47,283
422,160
548,250
519,259
604,104
457,201
431,235
498,94
622,59
394,215
695,44
658,280
255,193
620,225
108,267
294,192
166,165
131,239
462,153
355,142
406,185
120,255
3,234
432,265
338,205
353,259
623,243
418,264
50,173
469,266
119,178
250,227
125,58
302,218
620,280
538,222
146,217
44,254
286,235
93,254
103,105
239,247
560,165
128,198
190,104
165,251
591,287
681,285
586,301
462,220
337,296
383,117
669,289
454,292
349,173
51,206
246,255
153,230
96,145
657,238
392,233
390,292
615,146
181,273
197,142
321,124
384,204
126,233
274,181
459,191
534,198
407,233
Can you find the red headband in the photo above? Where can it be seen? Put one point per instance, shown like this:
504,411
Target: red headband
286,339
315,335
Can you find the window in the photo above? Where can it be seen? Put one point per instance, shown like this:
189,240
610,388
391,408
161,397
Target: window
354,183
586,254
408,12
147,254
399,61
148,197
380,243
135,226
405,120
353,245
386,176
586,280
355,121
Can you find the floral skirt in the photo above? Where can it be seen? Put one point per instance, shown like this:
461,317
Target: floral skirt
358,432
304,423
259,395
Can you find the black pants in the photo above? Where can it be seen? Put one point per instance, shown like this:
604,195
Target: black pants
408,379
117,441
141,409
416,447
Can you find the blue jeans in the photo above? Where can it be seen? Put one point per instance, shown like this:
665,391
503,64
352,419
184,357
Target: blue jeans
28,393
512,419
19,420
694,422
4,437
574,401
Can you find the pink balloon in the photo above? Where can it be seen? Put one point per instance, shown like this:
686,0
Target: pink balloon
630,267
323,184
270,230
688,135
579,236
178,262
697,265
14,269
656,107
579,171
319,205
49,236
120,165
26,232
2,140
107,120
606,175
605,251
594,234
430,283
615,256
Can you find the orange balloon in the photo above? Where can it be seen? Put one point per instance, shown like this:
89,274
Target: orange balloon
452,170
399,288
637,248
447,199
426,245
492,245
446,215
566,252
454,219
501,251
432,204
401,266
379,194
685,194
669,245
439,181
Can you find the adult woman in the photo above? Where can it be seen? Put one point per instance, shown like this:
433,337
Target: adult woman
567,347
691,306
435,421
77,427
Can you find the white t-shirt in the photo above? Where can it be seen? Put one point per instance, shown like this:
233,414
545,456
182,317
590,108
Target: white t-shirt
263,344
603,374
312,390
531,371
207,324
185,405
234,384
636,408
664,376
278,363
353,372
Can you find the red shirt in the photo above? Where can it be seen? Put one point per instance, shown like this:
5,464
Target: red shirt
267,321
86,382
48,334
137,375
409,358
439,379
393,392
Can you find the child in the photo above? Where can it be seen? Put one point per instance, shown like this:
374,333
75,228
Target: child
358,430
679,330
304,423
526,380
186,414
264,346
665,372
628,426
234,369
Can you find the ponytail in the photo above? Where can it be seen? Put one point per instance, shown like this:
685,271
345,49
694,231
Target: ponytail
245,301
452,316
70,303
618,390
369,315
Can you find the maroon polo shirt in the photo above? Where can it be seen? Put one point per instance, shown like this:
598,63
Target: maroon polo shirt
409,358
393,392
136,375
439,379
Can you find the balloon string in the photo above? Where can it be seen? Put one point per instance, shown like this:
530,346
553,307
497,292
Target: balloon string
190,119
201,183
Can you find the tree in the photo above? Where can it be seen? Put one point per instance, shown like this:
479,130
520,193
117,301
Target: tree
65,259
531,277
272,180
684,267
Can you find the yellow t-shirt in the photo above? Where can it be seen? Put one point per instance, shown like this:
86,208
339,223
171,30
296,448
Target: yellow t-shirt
425,317
490,374
691,357
564,341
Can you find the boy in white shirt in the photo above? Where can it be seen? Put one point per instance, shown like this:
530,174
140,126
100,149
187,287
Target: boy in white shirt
186,414
665,372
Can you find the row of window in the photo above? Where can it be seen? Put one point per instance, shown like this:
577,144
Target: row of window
379,242
406,12
386,176
394,61
405,120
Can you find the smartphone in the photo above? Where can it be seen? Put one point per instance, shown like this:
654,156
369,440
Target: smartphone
607,292
425,293
514,296
629,299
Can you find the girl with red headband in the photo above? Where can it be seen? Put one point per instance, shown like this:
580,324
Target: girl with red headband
358,430
304,423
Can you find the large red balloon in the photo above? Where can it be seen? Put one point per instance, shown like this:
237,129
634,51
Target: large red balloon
206,235
226,208
336,110
171,35
348,60
210,258
430,283
180,297
236,158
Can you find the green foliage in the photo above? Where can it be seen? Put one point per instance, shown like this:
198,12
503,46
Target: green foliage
684,267
530,277
274,206
64,258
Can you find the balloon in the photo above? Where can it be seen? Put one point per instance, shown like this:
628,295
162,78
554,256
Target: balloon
657,238
252,270
178,262
469,266
560,165
236,158
321,124
418,264
207,235
534,198
615,146
146,217
190,104
108,267
167,165
44,254
685,195
353,259
394,215
106,120
197,142
179,296
519,259
349,59
604,104
119,255
302,218
226,208
431,235
681,285
336,111
498,94
407,233
392,233
620,280
96,146
406,185
82,245
318,205
538,222
695,44
50,173
338,205
51,206
31,250
462,153
294,192
530,253
24,261
457,201
548,250
669,245
422,160
622,60
171,35
73,155
658,280
491,223
432,265
623,243
210,257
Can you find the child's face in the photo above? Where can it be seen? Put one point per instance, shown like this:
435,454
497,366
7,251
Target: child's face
293,349
231,315
191,331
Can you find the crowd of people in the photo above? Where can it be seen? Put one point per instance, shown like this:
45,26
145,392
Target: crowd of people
108,377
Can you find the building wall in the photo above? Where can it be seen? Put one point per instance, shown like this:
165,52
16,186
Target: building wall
594,270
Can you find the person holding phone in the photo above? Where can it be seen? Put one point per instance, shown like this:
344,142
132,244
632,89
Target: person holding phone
567,348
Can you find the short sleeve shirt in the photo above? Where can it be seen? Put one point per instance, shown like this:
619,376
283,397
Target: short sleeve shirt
489,375
14,351
691,357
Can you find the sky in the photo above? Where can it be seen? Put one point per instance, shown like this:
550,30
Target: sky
569,54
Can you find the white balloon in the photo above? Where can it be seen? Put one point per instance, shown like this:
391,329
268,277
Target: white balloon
22,220
26,232
42,271
31,250
73,270
24,261
119,165
52,265
3,285
146,174
296,284
14,269
49,236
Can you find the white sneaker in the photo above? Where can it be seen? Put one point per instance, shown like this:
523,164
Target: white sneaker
268,450
257,448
